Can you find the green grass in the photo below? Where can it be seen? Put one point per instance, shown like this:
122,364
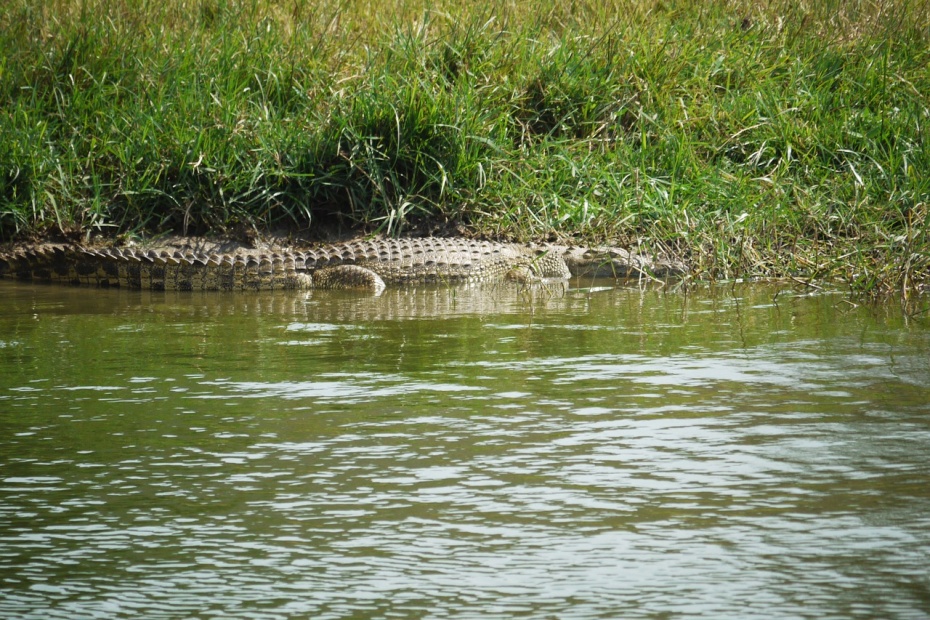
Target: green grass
778,139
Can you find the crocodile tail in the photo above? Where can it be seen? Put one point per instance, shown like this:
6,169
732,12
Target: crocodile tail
153,270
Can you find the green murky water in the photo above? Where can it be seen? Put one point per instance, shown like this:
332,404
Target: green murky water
462,453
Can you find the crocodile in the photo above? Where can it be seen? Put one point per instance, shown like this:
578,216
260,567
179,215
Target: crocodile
370,264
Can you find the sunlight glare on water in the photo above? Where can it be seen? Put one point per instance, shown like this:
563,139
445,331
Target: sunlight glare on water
468,453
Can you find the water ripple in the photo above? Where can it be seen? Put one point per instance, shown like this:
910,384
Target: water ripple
658,458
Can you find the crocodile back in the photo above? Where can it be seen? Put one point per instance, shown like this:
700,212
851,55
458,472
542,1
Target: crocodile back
434,259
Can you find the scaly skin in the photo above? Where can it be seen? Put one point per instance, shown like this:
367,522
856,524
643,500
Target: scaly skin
362,264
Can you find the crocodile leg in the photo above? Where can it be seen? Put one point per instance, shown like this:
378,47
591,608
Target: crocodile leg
348,277
547,266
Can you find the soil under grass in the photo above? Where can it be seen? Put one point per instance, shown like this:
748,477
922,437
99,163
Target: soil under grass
775,139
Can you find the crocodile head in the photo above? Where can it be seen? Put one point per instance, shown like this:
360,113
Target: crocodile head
604,263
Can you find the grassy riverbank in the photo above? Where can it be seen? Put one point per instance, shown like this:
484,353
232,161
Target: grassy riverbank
754,139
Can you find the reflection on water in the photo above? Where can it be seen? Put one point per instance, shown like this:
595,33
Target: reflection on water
470,453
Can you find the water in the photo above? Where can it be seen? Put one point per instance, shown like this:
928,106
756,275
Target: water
462,453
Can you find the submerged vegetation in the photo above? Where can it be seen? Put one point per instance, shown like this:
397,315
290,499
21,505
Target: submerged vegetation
775,139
